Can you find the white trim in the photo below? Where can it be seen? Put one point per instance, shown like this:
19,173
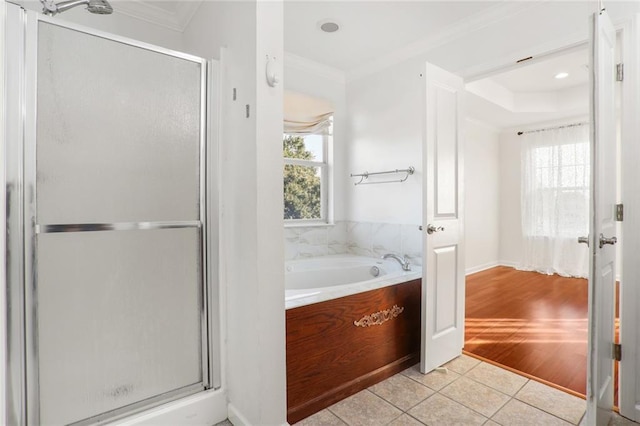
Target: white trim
176,20
326,180
205,408
13,137
312,67
540,52
508,264
3,313
454,32
236,417
483,267
212,171
630,284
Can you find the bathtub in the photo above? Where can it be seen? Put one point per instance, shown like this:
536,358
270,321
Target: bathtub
318,279
346,328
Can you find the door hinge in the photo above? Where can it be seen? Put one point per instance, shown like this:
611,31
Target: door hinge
619,72
619,212
617,352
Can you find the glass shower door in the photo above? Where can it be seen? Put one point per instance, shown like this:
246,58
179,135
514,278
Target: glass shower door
115,254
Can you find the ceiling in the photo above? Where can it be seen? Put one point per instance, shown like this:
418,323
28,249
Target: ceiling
371,29
383,31
531,94
539,76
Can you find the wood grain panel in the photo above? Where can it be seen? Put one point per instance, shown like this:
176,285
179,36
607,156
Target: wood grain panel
329,358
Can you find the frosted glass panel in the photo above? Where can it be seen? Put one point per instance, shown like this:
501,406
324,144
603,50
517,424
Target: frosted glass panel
118,318
118,131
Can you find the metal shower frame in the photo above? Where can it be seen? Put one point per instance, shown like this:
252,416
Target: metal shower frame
22,352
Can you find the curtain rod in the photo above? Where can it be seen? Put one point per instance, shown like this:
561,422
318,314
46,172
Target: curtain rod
553,128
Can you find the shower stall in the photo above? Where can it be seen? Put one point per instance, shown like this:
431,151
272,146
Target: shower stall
111,238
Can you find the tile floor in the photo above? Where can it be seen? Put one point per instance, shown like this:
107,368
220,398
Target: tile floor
470,392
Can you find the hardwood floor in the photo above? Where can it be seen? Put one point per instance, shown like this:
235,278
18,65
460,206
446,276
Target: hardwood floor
530,322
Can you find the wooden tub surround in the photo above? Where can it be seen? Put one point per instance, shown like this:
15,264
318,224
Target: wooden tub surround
339,347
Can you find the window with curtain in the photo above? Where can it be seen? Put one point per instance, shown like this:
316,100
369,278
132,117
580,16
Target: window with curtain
308,132
555,200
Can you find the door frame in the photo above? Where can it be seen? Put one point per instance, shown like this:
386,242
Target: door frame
21,322
628,380
629,34
602,263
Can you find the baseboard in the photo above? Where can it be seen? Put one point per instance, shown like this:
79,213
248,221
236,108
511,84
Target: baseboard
295,414
238,419
508,264
205,408
480,268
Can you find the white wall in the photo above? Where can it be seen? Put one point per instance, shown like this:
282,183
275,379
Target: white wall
309,77
385,116
251,232
385,133
510,213
482,201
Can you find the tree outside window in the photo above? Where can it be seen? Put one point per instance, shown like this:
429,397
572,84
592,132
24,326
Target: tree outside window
304,176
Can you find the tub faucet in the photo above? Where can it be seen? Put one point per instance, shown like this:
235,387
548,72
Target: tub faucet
406,266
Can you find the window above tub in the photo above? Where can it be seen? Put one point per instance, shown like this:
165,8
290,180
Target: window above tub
307,146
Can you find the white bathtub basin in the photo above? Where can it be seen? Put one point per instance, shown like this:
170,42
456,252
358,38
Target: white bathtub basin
329,277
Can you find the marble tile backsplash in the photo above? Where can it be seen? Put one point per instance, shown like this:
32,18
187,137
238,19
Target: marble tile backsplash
359,238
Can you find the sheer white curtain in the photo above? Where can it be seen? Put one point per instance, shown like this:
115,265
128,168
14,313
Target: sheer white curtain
555,200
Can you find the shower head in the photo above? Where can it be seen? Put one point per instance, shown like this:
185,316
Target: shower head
100,7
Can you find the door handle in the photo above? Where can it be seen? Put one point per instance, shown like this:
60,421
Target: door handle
583,240
431,229
604,240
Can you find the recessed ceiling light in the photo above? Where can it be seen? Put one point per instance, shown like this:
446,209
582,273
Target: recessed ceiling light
562,75
328,26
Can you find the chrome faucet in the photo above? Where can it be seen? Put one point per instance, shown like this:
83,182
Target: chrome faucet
406,266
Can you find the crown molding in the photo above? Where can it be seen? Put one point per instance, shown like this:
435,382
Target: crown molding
313,67
544,51
176,19
454,32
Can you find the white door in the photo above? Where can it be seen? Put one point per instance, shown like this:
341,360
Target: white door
602,276
443,280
